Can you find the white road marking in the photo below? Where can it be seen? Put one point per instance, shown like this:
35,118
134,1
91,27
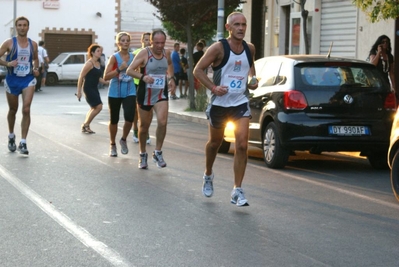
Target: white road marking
77,231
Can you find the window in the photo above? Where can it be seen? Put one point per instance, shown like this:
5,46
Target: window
332,76
268,74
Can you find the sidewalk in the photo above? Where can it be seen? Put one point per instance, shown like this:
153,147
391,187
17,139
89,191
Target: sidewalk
178,107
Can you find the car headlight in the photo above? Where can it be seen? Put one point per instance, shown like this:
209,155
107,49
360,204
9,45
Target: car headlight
230,126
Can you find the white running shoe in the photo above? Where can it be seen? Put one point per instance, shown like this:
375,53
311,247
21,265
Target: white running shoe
23,149
238,198
124,148
207,186
143,161
135,137
112,151
11,144
158,159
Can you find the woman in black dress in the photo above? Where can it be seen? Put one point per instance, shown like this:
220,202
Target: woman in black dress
89,78
381,56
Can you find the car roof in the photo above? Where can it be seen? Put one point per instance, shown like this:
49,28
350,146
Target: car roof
312,58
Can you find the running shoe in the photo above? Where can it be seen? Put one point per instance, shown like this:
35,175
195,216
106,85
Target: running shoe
238,198
143,161
11,144
207,186
158,159
112,151
23,149
135,137
148,140
124,148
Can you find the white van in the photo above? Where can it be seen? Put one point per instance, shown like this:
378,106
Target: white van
66,67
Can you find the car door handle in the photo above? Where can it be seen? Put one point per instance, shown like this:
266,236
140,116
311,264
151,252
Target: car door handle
264,99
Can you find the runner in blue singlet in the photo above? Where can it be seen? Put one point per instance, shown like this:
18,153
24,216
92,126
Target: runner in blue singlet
22,63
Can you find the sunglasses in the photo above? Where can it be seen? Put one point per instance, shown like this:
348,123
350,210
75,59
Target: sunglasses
384,42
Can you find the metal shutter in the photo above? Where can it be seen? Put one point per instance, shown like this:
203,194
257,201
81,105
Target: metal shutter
58,43
338,25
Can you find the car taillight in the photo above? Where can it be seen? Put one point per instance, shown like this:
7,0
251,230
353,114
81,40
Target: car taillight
390,101
294,100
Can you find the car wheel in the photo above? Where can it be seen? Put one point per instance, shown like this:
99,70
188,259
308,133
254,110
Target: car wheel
378,161
51,79
395,175
224,147
274,155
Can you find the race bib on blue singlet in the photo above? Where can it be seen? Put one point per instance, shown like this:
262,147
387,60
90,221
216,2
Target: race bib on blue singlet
124,77
23,67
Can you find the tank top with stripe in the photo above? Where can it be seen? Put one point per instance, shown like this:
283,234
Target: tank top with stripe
149,94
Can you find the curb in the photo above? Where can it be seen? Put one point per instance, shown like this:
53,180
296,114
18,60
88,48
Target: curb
189,117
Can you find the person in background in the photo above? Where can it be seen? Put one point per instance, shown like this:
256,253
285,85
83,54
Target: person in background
145,41
23,66
46,60
183,74
176,66
121,91
39,77
102,66
381,56
156,77
89,78
232,60
196,57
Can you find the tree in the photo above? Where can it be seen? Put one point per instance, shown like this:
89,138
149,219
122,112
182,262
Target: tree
379,9
190,17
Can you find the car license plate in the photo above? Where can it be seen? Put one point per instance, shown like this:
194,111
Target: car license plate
348,130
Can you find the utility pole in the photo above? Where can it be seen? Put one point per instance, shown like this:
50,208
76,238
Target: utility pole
14,31
220,23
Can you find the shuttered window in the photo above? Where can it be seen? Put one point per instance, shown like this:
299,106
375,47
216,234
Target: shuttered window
338,25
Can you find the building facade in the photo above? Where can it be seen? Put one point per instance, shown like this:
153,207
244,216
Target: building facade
276,27
73,25
64,25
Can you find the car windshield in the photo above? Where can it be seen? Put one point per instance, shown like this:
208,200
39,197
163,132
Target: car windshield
59,58
345,75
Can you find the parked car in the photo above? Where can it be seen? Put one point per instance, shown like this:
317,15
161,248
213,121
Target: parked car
393,156
317,104
66,67
3,73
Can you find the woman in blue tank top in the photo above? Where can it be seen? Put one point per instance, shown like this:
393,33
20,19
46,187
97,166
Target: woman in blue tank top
121,92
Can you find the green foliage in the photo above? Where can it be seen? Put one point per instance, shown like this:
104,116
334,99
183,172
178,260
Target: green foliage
190,20
378,10
203,31
198,16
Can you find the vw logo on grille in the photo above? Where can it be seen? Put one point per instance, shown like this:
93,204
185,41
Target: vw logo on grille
348,99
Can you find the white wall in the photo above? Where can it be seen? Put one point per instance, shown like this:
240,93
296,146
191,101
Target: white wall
137,16
367,34
72,14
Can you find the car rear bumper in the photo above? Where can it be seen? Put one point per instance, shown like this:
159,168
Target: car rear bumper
310,134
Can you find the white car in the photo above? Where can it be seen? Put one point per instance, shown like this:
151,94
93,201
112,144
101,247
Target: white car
66,67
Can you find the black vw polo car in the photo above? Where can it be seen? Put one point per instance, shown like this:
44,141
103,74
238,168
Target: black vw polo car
319,103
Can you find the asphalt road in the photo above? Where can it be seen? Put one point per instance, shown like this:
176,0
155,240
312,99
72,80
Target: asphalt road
69,204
